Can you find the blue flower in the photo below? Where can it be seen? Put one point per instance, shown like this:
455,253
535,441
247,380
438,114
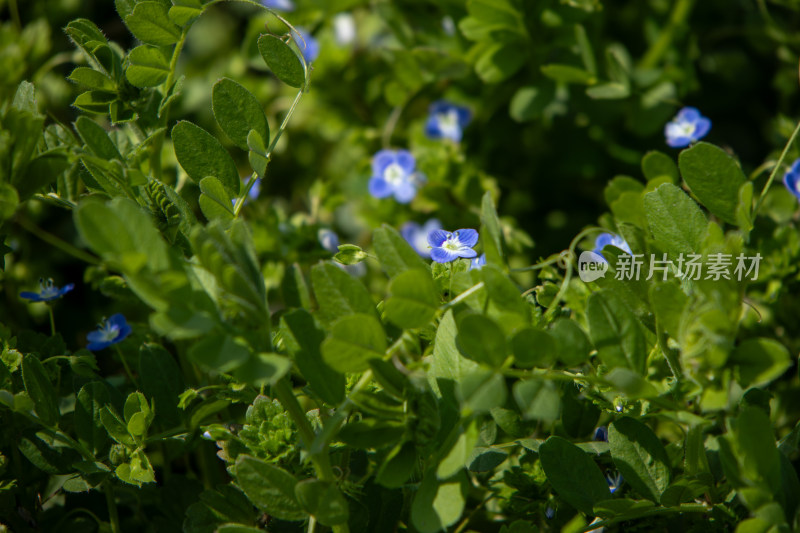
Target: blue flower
393,174
605,239
614,480
601,434
109,332
792,179
417,236
446,246
47,291
328,240
447,121
308,45
687,127
281,5
478,263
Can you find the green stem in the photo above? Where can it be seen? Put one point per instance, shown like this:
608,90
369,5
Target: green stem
52,320
669,354
777,168
463,296
113,515
127,366
12,7
685,508
268,155
678,17
321,460
158,142
51,239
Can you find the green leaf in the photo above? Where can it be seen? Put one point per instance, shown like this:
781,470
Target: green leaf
572,345
499,62
657,164
448,366
714,178
116,428
491,232
214,201
97,139
460,450
481,391
640,457
149,22
579,416
615,332
757,362
303,338
534,348
354,340
201,154
398,466
573,474
413,299
258,161
505,295
668,302
95,102
147,66
676,222
92,79
161,380
220,353
438,504
40,390
238,112
88,425
567,74
338,293
322,500
270,488
394,253
608,91
757,452
528,103
537,400
263,369
9,200
482,340
371,433
185,11
282,60
234,528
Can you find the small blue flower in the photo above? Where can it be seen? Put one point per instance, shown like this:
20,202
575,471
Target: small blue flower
478,263
308,45
109,332
255,190
447,121
601,434
549,513
47,291
328,240
605,239
792,179
417,236
281,5
687,127
446,246
393,174
614,480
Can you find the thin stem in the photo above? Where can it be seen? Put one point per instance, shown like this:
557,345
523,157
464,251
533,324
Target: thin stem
678,17
777,168
127,367
158,142
270,148
111,503
685,508
51,239
52,320
463,296
391,124
12,7
312,524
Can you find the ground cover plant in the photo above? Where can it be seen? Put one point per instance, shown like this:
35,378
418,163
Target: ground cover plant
367,266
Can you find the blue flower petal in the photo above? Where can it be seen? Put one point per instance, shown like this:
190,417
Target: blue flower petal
440,255
379,187
467,253
405,160
432,127
791,179
33,296
381,160
464,116
405,192
437,237
701,128
467,237
688,114
679,142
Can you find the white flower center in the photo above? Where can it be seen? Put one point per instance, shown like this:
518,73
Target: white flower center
448,124
452,243
48,290
394,174
109,332
686,128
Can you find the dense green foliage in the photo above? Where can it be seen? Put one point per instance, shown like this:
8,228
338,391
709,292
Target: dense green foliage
254,376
